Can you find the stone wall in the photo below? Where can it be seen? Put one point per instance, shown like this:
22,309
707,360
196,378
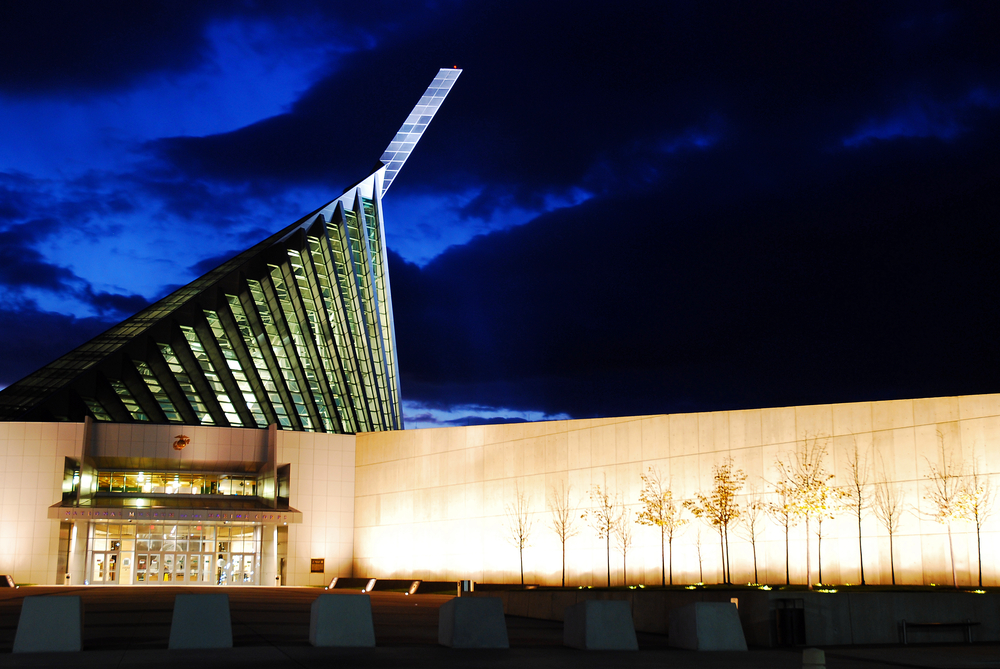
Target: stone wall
431,503
32,457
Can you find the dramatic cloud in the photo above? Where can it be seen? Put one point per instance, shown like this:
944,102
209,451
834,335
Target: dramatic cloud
763,302
30,337
619,210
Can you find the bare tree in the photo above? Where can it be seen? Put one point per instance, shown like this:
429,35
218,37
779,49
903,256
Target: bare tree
856,494
562,522
602,516
752,522
944,493
720,509
888,506
975,504
519,524
780,510
623,538
810,495
659,510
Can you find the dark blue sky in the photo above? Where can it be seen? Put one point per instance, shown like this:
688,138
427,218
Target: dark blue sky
621,208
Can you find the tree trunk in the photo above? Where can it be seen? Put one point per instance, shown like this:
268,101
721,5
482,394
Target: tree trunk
663,566
808,558
892,560
819,549
670,547
861,551
722,551
787,577
564,564
729,566
624,569
979,554
608,544
522,566
753,545
951,549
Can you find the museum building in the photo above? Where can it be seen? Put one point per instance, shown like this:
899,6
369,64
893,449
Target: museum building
295,333
247,430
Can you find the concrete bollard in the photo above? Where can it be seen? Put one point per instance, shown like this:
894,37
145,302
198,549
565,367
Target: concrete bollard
706,626
342,620
813,658
599,625
472,622
50,625
201,621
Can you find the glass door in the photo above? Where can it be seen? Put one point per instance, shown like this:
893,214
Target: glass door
184,554
105,568
168,567
153,571
180,564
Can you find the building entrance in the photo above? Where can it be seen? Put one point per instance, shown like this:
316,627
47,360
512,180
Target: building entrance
192,554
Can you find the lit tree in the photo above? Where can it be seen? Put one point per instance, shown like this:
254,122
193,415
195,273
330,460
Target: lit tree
856,495
720,509
975,504
602,516
518,525
888,506
780,510
562,522
945,493
659,510
623,538
752,523
809,493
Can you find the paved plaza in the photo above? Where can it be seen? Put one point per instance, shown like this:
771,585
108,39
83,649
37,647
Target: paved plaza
128,626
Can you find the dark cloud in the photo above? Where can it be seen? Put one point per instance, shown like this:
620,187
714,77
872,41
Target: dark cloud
112,305
83,46
875,282
208,264
790,203
430,420
22,266
599,97
31,338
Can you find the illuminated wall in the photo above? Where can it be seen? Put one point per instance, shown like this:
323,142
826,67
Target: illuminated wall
32,456
322,488
430,503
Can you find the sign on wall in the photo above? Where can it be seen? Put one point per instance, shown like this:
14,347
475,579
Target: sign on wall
317,565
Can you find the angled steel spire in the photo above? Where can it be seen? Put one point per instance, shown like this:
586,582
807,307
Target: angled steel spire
413,127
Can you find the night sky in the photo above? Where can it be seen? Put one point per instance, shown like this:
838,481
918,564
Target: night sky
621,208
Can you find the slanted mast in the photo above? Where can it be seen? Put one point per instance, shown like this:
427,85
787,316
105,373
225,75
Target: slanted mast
413,127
